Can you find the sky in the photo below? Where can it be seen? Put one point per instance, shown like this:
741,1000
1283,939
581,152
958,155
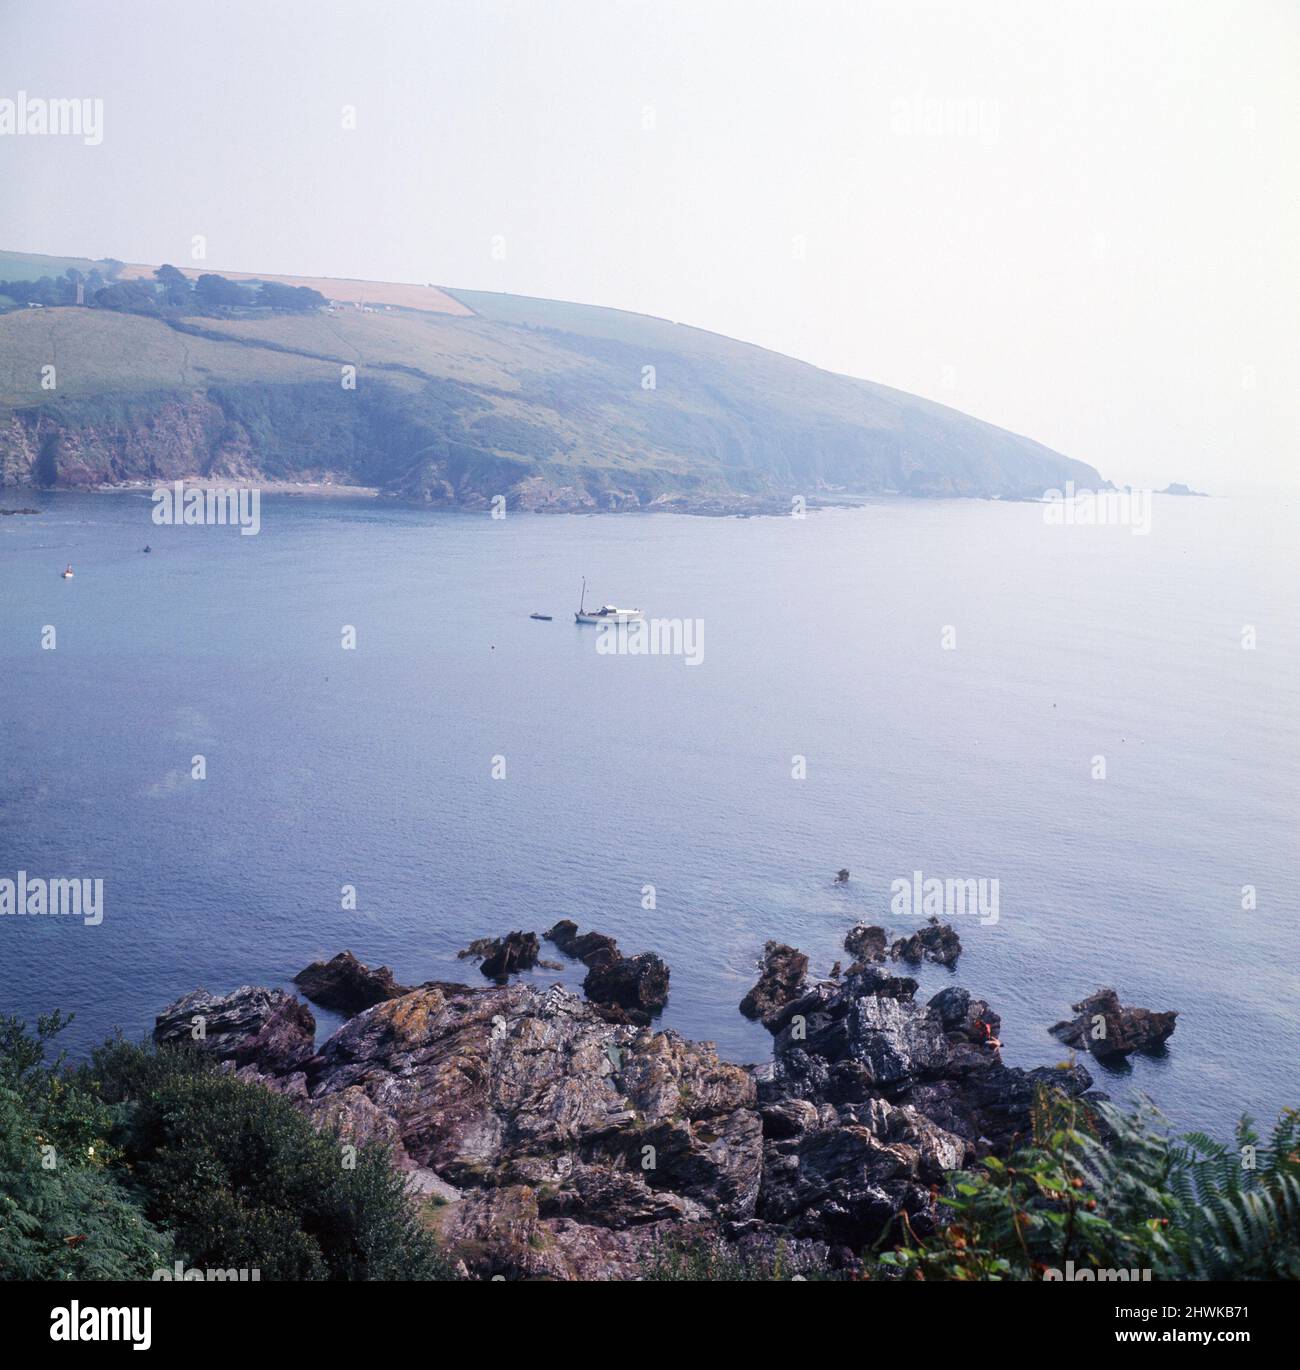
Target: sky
1080,221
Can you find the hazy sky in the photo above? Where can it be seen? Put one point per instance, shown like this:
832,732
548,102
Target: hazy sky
1080,221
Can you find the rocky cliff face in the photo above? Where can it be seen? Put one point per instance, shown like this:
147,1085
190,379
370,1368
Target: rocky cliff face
566,1146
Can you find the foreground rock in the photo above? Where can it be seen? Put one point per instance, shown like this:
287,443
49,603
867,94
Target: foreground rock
568,1146
1109,1030
784,974
345,985
936,942
253,1026
872,1098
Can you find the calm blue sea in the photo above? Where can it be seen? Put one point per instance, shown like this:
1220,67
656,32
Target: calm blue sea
823,638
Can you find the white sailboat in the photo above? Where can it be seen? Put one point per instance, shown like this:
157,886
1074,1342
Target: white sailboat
607,613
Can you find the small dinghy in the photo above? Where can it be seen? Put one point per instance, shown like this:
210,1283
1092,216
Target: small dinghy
541,618
67,575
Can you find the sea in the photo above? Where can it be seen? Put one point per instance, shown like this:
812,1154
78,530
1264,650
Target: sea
345,731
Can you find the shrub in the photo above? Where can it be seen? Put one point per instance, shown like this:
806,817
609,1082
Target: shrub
63,1213
159,1155
1107,1190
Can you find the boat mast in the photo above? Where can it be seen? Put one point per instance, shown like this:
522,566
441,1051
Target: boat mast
582,602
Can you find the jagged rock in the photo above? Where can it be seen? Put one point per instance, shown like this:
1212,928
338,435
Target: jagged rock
636,985
265,1028
870,978
567,1146
478,949
1108,1029
872,1097
626,989
345,985
965,1019
866,943
785,971
510,954
934,942
591,948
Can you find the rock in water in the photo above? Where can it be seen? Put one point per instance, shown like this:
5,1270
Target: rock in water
628,989
636,985
514,952
345,985
785,971
935,942
591,948
266,1028
866,943
1107,1029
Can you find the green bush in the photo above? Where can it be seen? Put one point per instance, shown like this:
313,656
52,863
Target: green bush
64,1213
162,1157
1106,1190
243,1180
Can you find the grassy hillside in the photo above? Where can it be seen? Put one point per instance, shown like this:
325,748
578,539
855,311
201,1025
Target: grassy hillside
550,404
31,266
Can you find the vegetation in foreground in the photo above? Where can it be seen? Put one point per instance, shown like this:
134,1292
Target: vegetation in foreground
1096,1194
144,1158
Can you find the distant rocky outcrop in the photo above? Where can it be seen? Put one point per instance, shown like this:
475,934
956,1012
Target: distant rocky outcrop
345,985
1105,1027
1177,488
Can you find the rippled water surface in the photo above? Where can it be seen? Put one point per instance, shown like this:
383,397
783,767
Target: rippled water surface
823,639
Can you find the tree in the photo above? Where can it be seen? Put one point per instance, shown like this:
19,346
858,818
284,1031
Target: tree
136,297
297,299
218,292
175,284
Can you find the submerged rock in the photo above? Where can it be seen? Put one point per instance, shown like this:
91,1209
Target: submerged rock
346,985
784,974
1108,1029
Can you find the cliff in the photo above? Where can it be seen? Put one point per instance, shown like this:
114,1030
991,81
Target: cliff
550,405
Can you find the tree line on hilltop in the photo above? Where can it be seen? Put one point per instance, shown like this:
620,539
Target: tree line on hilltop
170,292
